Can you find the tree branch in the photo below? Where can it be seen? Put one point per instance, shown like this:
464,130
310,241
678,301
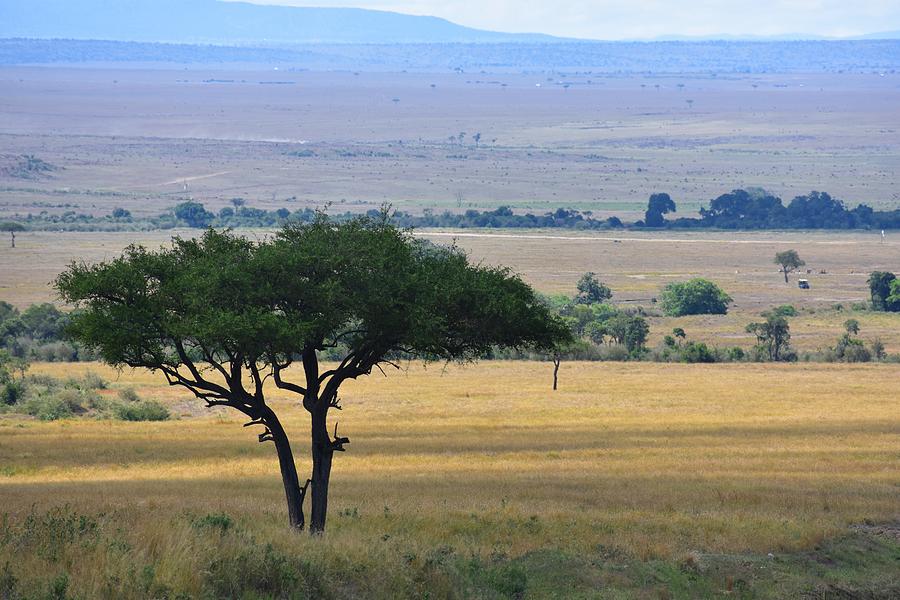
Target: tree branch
285,385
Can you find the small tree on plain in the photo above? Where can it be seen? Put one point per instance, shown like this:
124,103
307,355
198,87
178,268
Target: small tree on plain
591,290
789,261
773,336
12,227
222,315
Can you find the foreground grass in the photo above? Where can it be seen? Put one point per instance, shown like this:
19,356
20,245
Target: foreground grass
632,480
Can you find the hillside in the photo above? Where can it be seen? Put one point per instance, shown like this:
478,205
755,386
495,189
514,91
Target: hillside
213,21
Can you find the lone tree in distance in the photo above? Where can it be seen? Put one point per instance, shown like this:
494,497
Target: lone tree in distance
789,261
12,227
657,206
591,290
221,315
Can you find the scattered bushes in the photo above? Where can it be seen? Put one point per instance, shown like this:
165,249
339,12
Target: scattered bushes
37,334
49,399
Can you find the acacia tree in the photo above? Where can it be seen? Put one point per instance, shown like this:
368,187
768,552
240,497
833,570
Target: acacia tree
789,261
222,315
12,227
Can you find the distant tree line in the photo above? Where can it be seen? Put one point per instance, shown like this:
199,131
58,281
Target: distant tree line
751,209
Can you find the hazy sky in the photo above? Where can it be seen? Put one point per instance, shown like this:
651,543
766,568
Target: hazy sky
616,19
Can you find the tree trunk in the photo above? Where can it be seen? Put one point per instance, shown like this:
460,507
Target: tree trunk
556,361
294,493
12,239
322,454
785,275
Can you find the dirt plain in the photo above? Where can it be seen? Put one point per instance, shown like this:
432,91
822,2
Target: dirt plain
143,139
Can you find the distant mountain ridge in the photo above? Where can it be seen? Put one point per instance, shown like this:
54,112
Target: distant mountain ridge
213,21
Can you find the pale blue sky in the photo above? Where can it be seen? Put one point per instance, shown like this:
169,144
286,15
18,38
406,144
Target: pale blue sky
617,19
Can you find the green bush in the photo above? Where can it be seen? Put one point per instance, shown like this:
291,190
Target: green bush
219,521
736,354
695,297
697,352
144,410
11,392
785,310
48,407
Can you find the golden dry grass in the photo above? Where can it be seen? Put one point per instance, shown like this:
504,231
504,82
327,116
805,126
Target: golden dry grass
655,459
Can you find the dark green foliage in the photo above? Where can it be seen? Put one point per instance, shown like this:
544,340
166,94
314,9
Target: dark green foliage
630,331
892,302
246,310
657,206
602,323
736,354
740,209
880,291
43,322
773,338
789,261
756,209
218,294
785,310
193,214
37,334
591,290
695,297
697,352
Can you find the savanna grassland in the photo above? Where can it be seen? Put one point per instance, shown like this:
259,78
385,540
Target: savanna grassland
142,139
634,480
636,265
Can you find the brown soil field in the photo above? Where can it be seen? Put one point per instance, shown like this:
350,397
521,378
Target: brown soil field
143,139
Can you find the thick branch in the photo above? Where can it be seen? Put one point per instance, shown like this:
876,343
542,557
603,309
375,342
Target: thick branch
282,384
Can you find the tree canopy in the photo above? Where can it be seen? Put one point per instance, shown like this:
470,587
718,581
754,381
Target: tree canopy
591,290
657,206
789,261
222,314
11,227
694,297
880,286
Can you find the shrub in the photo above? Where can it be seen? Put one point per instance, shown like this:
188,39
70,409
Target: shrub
697,352
219,521
129,395
785,310
695,297
145,410
736,354
48,407
92,381
11,392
